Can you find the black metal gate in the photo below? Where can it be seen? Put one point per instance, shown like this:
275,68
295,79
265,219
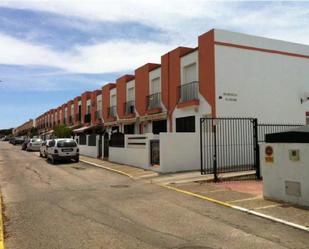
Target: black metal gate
232,144
154,152
106,145
100,147
229,145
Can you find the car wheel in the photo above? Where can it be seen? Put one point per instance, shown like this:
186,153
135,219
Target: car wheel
77,159
52,160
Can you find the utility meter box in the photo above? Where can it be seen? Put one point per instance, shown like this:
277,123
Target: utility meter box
285,166
294,155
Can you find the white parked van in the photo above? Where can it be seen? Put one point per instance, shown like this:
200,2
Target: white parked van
62,149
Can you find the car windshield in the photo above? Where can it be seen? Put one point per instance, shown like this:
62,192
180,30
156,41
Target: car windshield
66,143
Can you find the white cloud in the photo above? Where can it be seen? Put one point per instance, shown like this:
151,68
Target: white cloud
112,56
181,20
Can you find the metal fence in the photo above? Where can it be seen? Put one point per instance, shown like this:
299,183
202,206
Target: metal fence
228,145
129,107
188,91
232,144
264,129
153,101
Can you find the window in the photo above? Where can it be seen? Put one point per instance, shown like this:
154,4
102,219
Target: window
155,85
159,126
189,73
129,129
72,110
113,100
82,139
185,124
88,106
99,104
131,94
66,143
92,140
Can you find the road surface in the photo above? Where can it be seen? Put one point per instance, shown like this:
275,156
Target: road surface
75,205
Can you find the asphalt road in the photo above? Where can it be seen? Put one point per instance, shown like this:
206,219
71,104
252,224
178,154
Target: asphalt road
79,206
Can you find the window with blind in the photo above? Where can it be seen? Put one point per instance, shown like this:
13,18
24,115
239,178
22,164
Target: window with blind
189,74
155,85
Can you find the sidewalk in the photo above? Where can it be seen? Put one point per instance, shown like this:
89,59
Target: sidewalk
246,195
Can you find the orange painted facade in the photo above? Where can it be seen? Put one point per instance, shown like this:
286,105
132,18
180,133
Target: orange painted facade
207,68
76,111
94,118
106,101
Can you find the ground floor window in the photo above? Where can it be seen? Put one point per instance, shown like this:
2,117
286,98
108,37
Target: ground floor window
82,139
129,129
185,124
92,140
159,126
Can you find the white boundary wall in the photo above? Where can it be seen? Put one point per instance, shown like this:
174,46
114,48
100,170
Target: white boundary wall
282,170
91,151
179,152
137,154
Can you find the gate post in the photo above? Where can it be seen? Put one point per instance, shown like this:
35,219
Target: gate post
215,152
256,148
201,145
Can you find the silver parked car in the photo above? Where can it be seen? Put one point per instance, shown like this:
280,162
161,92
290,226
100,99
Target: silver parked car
43,148
34,144
62,149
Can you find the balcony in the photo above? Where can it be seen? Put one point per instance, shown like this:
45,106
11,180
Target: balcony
112,111
87,118
154,102
78,117
98,115
70,120
129,107
188,94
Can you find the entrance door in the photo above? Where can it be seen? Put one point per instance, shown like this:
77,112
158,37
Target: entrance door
106,145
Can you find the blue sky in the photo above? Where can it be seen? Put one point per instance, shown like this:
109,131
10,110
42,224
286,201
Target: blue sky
52,51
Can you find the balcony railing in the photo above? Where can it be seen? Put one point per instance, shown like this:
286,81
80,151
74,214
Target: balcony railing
70,120
188,92
78,117
112,111
154,101
98,115
87,118
129,107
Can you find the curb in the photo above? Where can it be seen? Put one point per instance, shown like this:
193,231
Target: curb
107,168
245,210
1,226
221,203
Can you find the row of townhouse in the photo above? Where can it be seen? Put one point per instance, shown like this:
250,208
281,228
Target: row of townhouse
227,75
24,129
